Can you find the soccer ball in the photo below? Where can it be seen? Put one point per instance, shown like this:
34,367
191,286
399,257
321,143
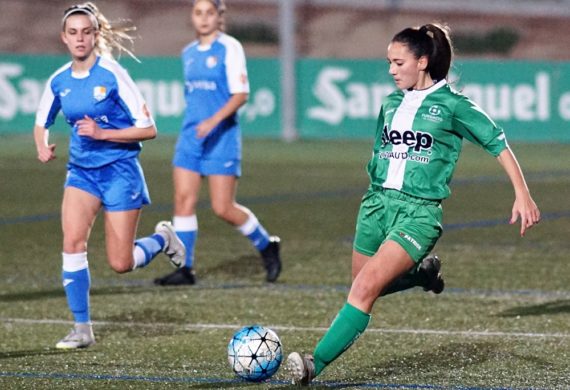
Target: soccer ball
255,353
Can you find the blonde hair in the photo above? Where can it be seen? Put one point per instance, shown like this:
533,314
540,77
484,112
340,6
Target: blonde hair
111,36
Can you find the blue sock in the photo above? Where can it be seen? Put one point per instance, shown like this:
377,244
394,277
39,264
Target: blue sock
253,230
146,250
189,239
187,230
76,282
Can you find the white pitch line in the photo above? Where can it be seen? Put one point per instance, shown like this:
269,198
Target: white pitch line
465,333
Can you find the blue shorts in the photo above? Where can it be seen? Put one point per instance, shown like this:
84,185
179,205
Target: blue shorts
207,167
120,186
217,154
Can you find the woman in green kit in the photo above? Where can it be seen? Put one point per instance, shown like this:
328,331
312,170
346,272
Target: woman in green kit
419,136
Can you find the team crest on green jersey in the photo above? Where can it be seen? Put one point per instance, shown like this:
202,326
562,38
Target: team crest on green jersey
433,114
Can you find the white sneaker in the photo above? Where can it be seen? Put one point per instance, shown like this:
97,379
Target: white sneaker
300,368
174,248
81,336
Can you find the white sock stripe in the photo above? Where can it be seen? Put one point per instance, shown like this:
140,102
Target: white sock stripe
73,262
139,257
249,226
185,224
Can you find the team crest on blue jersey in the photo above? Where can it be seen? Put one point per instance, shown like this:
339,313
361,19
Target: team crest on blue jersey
211,61
99,93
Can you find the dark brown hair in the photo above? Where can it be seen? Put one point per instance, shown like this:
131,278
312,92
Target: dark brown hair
432,41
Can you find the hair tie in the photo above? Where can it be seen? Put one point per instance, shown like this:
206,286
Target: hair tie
424,29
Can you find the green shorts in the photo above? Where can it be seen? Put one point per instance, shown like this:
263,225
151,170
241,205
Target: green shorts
387,214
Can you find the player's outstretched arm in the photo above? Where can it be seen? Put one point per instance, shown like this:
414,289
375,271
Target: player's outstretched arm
524,206
46,152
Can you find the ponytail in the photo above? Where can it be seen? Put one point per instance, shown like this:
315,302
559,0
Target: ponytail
433,41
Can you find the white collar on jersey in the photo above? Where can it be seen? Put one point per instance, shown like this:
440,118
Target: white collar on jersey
80,75
426,91
208,46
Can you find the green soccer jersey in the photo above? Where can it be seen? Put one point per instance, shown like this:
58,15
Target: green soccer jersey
419,138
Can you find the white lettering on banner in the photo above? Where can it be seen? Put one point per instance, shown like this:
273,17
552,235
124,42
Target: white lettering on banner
169,98
329,94
543,102
261,104
522,102
356,101
338,96
22,98
163,98
166,98
8,94
31,93
564,106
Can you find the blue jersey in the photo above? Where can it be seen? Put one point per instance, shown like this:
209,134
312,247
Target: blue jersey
212,74
108,95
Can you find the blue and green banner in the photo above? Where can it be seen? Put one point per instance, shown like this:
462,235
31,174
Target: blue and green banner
335,98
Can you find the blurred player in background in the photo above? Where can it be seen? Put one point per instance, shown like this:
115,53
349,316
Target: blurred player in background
419,136
209,144
108,117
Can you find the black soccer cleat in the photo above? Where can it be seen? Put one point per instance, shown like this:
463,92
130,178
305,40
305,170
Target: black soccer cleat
182,276
271,259
430,267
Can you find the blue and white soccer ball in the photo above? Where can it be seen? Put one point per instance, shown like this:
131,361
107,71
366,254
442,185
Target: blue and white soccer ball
255,353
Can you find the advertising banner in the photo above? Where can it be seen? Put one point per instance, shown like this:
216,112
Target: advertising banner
531,100
335,98
23,78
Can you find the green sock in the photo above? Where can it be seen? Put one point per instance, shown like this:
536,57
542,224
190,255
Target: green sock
348,325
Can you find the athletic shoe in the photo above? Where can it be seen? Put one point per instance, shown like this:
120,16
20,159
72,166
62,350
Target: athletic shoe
182,276
431,267
173,247
301,368
271,259
81,336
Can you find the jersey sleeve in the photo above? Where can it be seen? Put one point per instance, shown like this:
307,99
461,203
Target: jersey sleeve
471,122
132,99
236,69
49,106
380,123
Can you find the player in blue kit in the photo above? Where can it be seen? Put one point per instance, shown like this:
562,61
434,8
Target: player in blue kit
108,119
209,145
419,137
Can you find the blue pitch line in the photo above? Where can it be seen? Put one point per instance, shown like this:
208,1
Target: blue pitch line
497,222
29,219
161,207
165,379
291,197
